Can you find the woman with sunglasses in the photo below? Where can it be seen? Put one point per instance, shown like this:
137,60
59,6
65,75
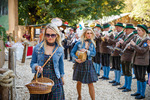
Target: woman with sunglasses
140,60
54,69
84,72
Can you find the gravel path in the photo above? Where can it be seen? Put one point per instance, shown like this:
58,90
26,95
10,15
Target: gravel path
103,89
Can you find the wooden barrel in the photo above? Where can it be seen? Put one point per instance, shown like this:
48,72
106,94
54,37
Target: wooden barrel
2,54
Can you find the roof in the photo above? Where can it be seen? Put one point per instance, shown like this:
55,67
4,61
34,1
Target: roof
107,19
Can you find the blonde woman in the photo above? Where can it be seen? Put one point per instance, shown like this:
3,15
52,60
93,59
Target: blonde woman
84,72
54,69
140,60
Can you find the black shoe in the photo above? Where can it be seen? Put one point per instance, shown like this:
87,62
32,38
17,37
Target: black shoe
98,74
113,81
135,94
115,84
126,90
102,77
139,97
122,87
106,78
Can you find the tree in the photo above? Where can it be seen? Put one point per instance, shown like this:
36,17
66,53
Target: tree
42,11
140,10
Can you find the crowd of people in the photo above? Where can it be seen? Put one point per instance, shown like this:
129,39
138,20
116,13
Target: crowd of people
123,48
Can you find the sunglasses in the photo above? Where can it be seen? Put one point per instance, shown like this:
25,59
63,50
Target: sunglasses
89,33
51,35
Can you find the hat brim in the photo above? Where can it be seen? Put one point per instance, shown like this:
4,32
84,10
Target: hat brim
143,28
129,27
99,26
119,26
106,26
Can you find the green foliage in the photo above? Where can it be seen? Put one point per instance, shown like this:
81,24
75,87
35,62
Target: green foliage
3,34
140,9
42,11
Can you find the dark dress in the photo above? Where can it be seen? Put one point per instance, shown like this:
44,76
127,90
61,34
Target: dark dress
85,72
57,92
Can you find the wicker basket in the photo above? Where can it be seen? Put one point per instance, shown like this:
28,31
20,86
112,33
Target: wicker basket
41,85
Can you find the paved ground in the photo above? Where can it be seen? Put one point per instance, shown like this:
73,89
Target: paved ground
103,89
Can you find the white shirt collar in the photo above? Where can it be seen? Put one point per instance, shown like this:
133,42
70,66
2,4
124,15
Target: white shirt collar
129,34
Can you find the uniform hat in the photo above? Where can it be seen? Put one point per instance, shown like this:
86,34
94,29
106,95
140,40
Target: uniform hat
119,24
130,26
98,25
135,31
106,25
143,27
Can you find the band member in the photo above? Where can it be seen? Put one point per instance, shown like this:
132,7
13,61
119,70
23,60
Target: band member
105,52
148,68
54,69
133,74
115,54
140,60
97,58
64,42
84,72
126,57
69,40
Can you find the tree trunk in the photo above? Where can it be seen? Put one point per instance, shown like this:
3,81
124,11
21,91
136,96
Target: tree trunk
2,53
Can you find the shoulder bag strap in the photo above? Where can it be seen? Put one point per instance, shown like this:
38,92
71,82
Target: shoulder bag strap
49,57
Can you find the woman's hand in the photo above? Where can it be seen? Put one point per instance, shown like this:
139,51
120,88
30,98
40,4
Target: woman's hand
39,68
63,80
132,43
83,50
79,60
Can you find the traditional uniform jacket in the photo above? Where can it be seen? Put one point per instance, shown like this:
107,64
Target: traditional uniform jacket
128,53
104,44
114,41
141,52
70,39
98,43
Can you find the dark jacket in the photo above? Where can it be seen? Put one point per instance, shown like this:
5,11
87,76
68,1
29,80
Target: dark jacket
98,43
128,53
114,41
64,42
141,53
104,44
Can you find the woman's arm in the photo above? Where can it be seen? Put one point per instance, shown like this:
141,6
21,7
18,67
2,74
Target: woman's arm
34,63
92,52
73,51
61,65
141,49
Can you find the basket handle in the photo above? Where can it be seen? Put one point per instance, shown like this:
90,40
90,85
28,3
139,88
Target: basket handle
36,75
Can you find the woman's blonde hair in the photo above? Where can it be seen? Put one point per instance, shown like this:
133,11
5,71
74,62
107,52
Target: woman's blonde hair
55,29
84,38
145,34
